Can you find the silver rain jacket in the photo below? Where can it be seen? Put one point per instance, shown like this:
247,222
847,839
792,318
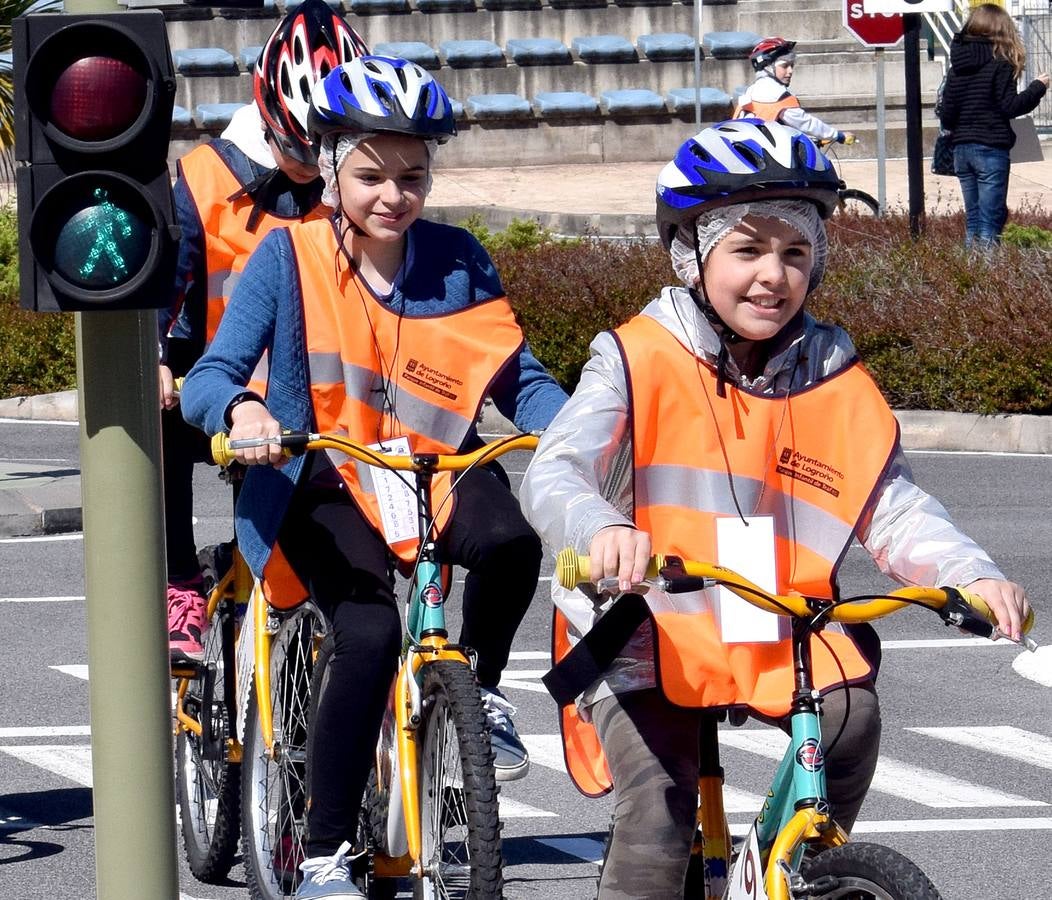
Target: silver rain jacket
580,478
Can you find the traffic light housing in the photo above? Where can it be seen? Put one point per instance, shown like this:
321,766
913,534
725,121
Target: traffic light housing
93,116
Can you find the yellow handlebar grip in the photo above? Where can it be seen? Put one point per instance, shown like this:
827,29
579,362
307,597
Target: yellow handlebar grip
221,452
980,606
571,568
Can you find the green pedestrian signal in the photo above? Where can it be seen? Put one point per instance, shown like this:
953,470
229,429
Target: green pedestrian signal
94,98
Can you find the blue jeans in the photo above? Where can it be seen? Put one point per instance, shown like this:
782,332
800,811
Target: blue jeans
983,173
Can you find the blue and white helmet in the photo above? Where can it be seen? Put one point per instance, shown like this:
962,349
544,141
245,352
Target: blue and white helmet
374,94
739,161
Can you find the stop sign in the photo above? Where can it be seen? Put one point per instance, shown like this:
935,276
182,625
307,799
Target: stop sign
872,29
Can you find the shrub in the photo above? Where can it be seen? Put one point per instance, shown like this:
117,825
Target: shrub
939,328
37,350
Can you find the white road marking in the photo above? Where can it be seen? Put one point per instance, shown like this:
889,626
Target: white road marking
45,731
514,809
979,453
529,654
10,821
895,826
899,779
72,761
66,422
1000,740
76,671
953,643
1036,666
78,536
523,685
41,599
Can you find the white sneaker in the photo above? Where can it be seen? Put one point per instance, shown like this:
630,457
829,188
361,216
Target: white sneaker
328,877
510,759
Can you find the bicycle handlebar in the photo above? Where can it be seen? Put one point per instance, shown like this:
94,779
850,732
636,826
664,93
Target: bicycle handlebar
296,442
956,606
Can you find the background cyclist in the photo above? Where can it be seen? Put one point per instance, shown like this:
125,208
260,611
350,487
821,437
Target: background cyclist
260,173
769,97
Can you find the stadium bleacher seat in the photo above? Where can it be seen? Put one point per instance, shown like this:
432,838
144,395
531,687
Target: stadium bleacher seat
471,54
215,115
730,44
604,48
565,103
415,51
498,106
715,104
538,52
665,47
204,61
632,101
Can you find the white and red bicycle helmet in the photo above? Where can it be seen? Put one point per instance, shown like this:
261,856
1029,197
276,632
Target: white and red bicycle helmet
307,44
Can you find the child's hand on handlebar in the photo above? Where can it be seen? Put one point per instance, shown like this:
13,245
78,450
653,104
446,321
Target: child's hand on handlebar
169,395
251,419
621,552
1007,601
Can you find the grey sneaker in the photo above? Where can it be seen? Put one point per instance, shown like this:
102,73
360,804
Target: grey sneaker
510,759
328,877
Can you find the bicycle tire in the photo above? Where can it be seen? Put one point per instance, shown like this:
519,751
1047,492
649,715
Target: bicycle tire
273,796
460,821
854,202
208,784
869,872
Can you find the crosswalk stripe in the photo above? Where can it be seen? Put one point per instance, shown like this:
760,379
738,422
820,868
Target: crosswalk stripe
515,809
899,779
79,671
1001,740
70,599
586,849
72,761
534,687
45,731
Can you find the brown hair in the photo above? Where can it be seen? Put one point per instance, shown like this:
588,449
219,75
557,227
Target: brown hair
991,21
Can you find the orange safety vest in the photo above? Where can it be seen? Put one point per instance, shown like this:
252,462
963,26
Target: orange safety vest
376,375
812,460
769,112
228,241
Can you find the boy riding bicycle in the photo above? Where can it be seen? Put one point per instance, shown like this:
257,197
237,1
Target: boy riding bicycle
769,97
724,423
393,330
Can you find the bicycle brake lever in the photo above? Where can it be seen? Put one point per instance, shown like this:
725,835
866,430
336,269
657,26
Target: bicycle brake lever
1029,643
612,585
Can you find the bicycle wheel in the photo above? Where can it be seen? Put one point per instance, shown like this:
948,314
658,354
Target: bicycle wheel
854,202
460,823
208,784
868,872
273,797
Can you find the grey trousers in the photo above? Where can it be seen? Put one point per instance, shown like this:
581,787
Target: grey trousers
652,749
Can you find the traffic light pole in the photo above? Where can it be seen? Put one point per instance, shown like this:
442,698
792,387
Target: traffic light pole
130,688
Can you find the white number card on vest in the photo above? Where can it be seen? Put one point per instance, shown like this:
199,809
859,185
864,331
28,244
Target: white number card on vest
748,548
394,494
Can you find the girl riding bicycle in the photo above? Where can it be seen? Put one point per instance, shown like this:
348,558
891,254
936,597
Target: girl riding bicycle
393,330
723,423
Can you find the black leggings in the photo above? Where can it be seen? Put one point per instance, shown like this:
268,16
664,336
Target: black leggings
346,567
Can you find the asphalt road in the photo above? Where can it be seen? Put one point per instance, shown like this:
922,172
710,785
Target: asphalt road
964,787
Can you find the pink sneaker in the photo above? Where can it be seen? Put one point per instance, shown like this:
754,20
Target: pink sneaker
187,621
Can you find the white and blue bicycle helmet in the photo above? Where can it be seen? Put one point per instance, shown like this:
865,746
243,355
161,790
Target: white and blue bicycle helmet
739,161
379,94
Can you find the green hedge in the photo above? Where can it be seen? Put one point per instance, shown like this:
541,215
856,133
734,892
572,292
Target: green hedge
939,328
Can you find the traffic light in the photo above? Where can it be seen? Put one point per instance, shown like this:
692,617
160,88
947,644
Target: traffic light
93,115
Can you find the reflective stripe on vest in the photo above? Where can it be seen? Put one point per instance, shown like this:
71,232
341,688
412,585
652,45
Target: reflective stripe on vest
228,242
376,375
813,461
769,112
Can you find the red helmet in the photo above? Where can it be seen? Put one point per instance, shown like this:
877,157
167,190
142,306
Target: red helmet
768,50
307,44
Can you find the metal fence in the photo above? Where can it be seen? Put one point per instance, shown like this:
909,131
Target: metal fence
1034,21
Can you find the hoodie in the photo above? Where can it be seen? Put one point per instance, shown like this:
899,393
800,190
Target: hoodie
980,98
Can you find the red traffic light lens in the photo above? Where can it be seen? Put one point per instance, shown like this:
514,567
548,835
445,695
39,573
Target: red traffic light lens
97,98
102,245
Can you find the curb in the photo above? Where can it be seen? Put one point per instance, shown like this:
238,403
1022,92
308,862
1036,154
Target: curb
61,407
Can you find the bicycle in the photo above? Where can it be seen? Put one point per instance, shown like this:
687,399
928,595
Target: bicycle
430,811
778,860
851,201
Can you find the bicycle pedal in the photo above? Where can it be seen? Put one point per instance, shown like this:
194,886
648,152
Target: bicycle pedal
188,669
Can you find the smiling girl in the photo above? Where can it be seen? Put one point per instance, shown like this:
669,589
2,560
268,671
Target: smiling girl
393,330
724,423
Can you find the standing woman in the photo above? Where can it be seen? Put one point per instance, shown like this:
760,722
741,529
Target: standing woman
978,102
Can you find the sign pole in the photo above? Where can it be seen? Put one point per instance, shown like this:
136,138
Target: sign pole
882,150
914,139
697,65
